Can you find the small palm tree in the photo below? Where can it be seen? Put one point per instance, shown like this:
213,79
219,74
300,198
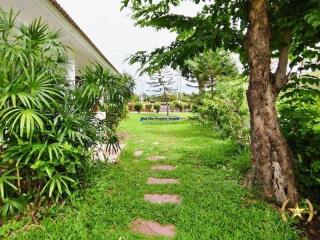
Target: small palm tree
46,127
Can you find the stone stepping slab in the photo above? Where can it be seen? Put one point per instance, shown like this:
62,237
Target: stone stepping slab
163,168
162,198
154,181
154,229
138,153
156,158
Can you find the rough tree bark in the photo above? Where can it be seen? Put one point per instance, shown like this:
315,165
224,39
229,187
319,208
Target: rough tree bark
272,167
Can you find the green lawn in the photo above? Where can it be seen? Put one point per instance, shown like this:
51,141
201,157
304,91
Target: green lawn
214,205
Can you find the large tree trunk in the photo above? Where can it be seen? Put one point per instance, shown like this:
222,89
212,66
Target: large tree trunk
272,168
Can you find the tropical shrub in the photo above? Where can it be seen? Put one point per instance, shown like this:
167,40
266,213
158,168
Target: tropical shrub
171,107
157,107
178,105
225,111
187,106
47,127
299,110
138,106
115,91
148,107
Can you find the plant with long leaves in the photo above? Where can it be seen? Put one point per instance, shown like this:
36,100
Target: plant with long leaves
46,127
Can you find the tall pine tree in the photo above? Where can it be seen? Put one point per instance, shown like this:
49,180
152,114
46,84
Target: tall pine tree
162,83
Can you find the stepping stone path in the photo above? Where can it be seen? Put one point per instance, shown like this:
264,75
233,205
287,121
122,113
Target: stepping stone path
150,228
156,158
153,181
163,168
162,198
138,153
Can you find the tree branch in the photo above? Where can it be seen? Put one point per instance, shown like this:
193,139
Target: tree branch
281,77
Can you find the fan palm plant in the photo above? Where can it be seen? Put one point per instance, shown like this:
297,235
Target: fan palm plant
32,70
113,91
34,139
46,127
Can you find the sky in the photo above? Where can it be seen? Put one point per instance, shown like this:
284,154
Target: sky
114,33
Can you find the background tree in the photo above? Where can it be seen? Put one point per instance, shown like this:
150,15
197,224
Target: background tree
162,83
207,67
258,30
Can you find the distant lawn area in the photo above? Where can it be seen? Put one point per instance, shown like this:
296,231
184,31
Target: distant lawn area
213,205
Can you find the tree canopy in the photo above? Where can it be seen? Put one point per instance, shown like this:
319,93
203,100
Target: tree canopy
208,67
223,23
258,30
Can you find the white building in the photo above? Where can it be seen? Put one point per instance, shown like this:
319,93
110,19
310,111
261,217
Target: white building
83,51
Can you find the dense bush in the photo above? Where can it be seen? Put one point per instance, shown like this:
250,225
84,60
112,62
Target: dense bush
178,105
299,110
47,126
148,107
225,111
138,106
187,106
157,107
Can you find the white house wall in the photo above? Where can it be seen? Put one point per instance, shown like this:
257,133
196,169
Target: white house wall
83,53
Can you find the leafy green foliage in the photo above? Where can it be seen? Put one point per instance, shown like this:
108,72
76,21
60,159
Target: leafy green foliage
230,24
12,206
113,144
223,24
6,181
138,106
210,171
299,110
226,112
48,127
162,83
206,68
157,107
148,107
178,105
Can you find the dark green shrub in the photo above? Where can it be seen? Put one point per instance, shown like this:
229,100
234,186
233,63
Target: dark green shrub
299,110
225,111
138,106
171,107
157,107
47,127
178,105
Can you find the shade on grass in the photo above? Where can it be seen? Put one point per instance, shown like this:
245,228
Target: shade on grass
214,205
